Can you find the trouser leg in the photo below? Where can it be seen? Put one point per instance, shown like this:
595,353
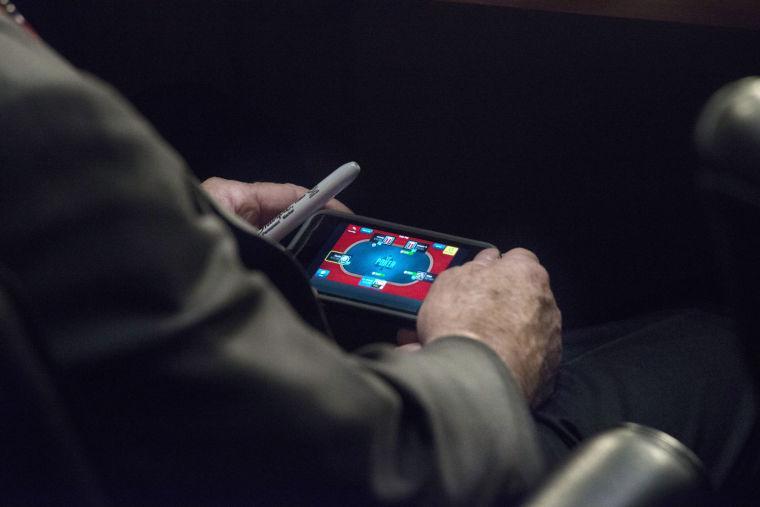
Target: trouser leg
683,374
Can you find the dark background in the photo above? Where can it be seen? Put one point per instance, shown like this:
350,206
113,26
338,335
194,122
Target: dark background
567,134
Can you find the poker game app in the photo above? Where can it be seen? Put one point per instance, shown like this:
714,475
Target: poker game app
382,267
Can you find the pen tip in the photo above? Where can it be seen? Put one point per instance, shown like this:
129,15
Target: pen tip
352,165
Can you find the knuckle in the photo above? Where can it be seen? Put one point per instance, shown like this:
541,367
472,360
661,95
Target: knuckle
522,252
540,273
213,181
534,272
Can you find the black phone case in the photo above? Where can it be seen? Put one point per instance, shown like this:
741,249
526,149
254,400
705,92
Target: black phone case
312,224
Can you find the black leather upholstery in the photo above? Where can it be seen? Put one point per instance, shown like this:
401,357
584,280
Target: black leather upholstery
728,140
628,466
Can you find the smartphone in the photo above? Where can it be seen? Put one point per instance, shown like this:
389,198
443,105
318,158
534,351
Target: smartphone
376,265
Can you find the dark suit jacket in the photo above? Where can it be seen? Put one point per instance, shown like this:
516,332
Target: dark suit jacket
189,376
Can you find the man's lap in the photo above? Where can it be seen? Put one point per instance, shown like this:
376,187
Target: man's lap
682,373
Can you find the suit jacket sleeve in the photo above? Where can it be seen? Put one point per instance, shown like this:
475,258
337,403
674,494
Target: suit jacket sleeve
190,376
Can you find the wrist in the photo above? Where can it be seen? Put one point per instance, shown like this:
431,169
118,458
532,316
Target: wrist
512,359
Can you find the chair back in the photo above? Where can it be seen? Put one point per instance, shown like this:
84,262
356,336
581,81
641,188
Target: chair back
728,140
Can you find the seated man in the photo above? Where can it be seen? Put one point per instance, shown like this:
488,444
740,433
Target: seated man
193,380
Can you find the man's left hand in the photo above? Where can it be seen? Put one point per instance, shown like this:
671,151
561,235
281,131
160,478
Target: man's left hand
258,202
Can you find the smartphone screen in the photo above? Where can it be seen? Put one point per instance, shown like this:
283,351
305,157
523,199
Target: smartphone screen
380,265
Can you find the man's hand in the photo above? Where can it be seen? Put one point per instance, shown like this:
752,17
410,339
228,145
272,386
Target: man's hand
506,303
259,202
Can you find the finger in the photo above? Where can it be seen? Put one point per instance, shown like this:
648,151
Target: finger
410,347
406,336
486,257
272,198
336,205
275,197
219,190
521,252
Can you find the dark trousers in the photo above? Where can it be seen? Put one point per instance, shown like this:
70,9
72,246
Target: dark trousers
682,373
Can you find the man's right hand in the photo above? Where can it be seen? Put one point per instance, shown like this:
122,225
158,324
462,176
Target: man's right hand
506,303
